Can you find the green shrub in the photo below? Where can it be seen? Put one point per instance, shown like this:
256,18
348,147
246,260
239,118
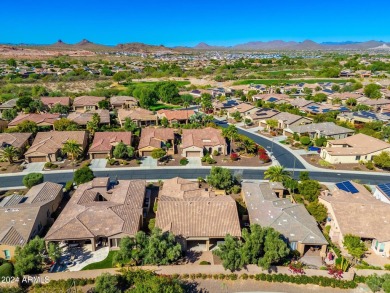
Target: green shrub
215,153
69,185
305,140
210,160
387,267
370,165
183,161
32,179
48,165
6,270
83,175
203,262
236,189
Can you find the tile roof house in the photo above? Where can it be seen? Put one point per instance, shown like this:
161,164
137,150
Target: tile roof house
47,146
344,96
353,149
286,120
101,213
261,116
51,101
243,108
298,227
42,119
196,216
352,209
16,139
196,141
155,138
123,102
175,116
323,129
300,102
104,143
8,105
141,117
362,117
218,106
86,103
22,217
271,98
83,118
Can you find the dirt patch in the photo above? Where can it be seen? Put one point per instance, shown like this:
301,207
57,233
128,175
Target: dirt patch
67,165
243,161
5,167
314,160
171,160
123,163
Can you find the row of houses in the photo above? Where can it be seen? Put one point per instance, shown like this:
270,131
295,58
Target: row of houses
47,146
103,212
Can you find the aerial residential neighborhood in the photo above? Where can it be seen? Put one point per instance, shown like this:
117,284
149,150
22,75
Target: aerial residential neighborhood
229,147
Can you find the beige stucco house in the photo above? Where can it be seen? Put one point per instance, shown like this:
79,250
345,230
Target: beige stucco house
196,141
352,149
352,209
22,217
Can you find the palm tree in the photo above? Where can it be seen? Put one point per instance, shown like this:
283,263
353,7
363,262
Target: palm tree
187,100
72,148
231,132
9,153
248,145
276,174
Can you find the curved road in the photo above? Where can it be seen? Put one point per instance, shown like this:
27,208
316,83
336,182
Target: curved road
285,158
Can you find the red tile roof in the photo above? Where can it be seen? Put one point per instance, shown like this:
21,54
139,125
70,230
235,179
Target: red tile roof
104,141
154,136
37,118
50,101
202,137
176,114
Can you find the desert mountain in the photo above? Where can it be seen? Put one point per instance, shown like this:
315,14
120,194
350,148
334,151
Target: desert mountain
298,46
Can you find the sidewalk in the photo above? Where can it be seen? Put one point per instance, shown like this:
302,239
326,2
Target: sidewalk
187,269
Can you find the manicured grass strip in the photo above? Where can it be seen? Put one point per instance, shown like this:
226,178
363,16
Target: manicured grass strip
289,81
104,264
147,83
160,106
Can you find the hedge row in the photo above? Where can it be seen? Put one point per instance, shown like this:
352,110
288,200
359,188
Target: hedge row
65,283
279,278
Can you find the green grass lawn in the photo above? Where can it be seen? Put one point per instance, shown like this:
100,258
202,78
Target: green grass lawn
160,106
104,264
147,83
289,81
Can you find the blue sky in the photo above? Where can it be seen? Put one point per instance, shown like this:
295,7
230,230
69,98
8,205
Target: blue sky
174,22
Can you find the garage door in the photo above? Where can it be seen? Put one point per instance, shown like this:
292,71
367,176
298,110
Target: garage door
147,153
193,154
99,156
36,159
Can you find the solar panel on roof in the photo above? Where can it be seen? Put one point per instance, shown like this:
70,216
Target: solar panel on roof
347,186
385,188
272,99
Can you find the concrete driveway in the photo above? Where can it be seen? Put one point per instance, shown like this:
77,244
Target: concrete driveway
98,163
149,162
34,167
194,162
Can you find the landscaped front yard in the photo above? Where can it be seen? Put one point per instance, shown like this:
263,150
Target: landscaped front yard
104,264
5,167
316,160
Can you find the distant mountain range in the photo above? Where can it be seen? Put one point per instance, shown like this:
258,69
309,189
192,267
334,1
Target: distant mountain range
298,46
276,45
